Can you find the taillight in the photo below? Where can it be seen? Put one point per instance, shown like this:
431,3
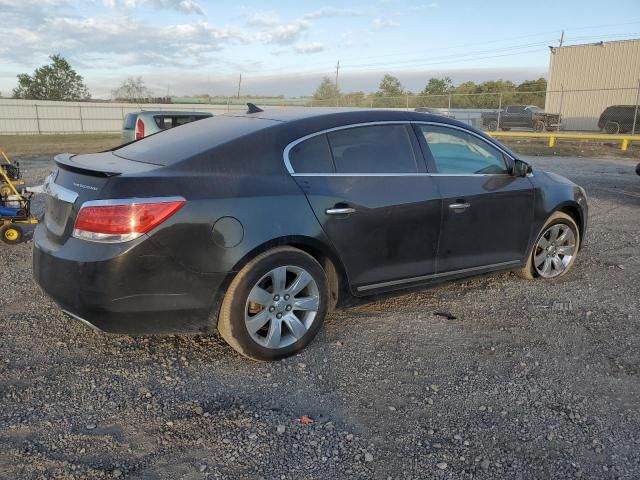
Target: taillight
139,129
123,220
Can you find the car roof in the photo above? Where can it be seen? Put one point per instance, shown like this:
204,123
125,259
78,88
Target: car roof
340,116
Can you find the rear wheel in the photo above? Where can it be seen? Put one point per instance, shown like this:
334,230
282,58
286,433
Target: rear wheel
275,305
492,126
539,126
612,128
555,249
11,234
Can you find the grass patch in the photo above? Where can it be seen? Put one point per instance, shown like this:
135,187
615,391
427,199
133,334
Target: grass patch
26,145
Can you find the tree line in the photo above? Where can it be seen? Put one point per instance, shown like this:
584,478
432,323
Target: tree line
59,81
437,93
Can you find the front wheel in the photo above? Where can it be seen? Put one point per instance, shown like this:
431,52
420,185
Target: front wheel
555,249
492,126
275,305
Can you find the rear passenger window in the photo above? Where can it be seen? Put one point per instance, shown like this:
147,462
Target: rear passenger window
373,149
312,156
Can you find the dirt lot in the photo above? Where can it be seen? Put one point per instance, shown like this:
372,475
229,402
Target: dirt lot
519,380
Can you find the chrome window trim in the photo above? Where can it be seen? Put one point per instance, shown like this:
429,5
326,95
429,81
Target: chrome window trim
289,167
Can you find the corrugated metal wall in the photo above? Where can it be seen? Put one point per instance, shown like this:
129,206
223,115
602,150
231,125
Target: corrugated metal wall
610,71
31,116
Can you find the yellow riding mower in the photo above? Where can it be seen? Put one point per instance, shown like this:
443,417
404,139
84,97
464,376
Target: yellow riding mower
15,206
11,177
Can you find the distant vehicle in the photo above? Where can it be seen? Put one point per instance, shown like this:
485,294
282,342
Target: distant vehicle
432,111
618,119
138,125
521,116
257,225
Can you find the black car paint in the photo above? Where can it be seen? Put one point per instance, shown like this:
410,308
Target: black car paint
173,279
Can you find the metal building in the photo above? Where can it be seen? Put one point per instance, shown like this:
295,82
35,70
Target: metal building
585,79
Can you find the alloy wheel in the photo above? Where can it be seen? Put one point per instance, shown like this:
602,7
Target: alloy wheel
281,307
554,250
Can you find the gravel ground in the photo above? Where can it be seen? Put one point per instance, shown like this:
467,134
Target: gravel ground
518,380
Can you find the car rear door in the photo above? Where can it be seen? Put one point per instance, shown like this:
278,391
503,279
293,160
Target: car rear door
368,187
487,212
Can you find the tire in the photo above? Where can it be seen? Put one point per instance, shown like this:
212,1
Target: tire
638,169
530,271
505,129
492,126
260,276
11,234
612,128
5,190
539,126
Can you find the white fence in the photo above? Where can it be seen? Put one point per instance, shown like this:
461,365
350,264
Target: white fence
34,116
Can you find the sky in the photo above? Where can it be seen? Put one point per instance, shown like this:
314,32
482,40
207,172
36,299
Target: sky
284,47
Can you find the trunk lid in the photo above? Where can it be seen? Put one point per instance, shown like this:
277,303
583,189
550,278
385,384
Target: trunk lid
76,180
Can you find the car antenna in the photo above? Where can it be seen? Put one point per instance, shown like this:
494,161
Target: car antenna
253,108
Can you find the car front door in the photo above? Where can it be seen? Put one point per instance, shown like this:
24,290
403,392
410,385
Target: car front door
369,189
487,212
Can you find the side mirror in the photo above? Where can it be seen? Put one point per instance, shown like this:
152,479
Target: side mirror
521,168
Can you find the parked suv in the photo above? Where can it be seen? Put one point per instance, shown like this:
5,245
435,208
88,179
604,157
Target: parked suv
257,225
137,125
619,119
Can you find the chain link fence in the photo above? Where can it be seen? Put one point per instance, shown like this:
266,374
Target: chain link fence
611,111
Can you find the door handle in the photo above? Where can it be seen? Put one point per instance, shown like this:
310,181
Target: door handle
339,211
459,207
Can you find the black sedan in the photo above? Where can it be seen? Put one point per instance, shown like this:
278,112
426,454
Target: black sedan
258,224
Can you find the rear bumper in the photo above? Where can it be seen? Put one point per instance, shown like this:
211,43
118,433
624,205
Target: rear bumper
131,288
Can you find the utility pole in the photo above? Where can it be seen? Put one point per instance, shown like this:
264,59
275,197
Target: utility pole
561,38
337,70
239,84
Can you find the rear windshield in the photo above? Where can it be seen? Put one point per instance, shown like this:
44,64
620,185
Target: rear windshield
175,145
130,121
165,122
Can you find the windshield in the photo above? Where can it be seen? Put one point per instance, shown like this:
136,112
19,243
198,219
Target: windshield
534,109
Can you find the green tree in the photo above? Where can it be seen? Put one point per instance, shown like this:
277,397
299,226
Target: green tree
532,92
390,86
55,81
539,85
327,90
437,86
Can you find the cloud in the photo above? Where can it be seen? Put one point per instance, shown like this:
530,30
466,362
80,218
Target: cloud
313,47
379,23
183,6
328,12
272,29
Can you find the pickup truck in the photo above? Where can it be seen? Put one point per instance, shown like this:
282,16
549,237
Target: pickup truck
521,116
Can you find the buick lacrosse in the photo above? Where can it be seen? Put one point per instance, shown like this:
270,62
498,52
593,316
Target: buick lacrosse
256,225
